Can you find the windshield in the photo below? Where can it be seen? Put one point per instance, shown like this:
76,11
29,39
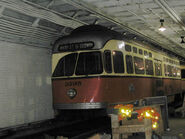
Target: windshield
87,63
65,66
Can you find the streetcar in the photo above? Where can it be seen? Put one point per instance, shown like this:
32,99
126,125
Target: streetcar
94,67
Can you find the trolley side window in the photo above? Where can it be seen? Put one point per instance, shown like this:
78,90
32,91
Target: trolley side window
135,50
150,54
140,51
89,63
129,64
118,62
158,71
179,73
149,67
145,53
183,73
165,70
128,48
169,68
174,71
107,61
139,65
65,66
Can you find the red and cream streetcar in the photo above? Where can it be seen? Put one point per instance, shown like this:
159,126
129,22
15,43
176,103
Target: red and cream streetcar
94,67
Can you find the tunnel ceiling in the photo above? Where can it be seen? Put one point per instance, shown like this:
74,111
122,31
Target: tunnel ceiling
41,22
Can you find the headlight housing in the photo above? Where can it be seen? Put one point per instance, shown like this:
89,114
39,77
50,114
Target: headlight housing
72,93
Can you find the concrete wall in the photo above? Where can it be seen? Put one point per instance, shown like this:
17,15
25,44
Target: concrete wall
25,84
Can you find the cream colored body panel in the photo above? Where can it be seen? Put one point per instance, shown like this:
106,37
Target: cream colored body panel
116,45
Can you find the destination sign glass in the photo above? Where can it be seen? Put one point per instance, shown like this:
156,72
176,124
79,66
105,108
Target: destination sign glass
76,46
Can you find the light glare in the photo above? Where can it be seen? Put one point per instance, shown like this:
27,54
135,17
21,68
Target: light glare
162,29
147,114
121,45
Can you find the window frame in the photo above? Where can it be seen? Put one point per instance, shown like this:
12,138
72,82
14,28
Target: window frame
141,72
157,63
148,69
101,64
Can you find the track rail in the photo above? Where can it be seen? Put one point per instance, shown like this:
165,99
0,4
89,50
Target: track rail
84,129
71,129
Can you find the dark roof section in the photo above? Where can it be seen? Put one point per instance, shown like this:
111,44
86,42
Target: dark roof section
89,33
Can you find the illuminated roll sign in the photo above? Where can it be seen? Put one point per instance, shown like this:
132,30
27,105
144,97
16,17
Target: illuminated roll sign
76,46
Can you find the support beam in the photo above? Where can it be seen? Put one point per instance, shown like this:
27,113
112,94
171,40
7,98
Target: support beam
36,22
50,3
75,14
40,12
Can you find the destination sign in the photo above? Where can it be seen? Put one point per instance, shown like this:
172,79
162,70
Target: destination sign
76,46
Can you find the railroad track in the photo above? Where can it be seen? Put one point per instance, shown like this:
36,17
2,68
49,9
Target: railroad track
72,129
86,128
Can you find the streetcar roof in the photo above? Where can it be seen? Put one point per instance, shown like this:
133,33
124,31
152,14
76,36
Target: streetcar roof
82,36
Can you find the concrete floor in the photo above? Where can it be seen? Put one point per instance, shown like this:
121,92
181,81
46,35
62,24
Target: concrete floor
177,128
177,131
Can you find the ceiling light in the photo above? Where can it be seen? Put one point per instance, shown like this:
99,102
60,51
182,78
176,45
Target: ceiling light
162,28
124,33
182,41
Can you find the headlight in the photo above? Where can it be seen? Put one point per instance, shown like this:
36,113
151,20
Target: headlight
72,93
